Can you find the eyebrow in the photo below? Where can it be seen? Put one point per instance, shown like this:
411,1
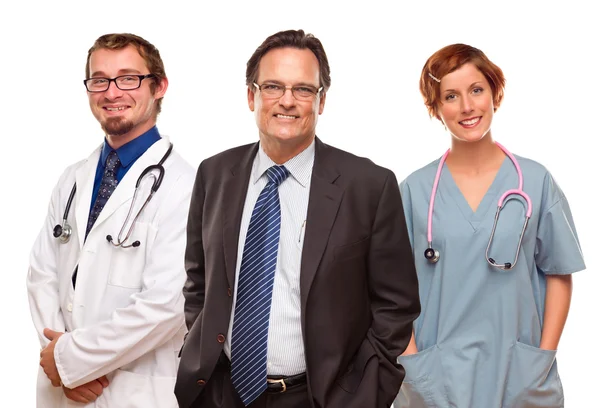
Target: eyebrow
119,72
480,83
269,81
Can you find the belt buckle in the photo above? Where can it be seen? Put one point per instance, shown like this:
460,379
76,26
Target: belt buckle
272,381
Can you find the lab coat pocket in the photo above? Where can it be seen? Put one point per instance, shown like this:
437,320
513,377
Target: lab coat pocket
133,390
533,379
127,264
423,385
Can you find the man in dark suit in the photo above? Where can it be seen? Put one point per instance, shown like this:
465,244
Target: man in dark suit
301,288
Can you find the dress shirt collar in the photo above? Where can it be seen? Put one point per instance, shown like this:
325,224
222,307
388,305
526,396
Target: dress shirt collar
299,166
131,151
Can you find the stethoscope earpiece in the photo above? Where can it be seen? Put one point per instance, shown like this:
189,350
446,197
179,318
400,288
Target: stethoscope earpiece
507,265
135,244
432,255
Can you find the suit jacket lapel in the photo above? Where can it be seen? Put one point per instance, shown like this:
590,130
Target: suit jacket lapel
323,205
235,187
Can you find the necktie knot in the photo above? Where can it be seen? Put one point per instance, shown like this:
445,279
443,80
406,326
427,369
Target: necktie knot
277,174
112,161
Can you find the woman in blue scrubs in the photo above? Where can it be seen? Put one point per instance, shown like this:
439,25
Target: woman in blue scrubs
490,324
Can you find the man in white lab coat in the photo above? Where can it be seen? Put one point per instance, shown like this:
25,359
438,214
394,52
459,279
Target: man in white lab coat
107,269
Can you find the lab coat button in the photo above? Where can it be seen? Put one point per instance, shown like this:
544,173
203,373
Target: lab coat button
229,292
221,338
201,383
70,307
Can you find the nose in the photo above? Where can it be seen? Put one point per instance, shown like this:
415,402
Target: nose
112,91
287,100
466,104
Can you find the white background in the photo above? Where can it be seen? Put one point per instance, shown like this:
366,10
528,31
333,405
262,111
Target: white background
376,51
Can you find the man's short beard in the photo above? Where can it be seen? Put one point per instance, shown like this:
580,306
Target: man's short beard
117,126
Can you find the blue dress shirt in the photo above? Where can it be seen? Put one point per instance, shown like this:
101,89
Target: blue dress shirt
128,154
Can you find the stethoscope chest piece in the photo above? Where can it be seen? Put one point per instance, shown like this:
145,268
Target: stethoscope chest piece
432,255
62,232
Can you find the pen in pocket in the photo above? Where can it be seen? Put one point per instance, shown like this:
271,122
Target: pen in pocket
301,229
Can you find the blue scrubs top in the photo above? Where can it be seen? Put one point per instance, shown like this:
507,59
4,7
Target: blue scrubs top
480,328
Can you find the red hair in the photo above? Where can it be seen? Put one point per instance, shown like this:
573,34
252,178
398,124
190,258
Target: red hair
449,59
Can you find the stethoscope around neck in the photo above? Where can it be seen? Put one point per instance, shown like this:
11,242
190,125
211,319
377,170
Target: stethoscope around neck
433,255
63,231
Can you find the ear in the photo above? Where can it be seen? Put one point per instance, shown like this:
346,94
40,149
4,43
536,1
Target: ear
161,88
251,98
322,102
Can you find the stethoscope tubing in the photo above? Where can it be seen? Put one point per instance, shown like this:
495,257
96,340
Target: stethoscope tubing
63,232
155,186
433,255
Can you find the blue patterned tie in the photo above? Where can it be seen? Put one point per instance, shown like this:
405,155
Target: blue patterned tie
254,291
107,186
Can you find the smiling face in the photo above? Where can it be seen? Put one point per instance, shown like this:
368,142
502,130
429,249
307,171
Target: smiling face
123,115
285,123
467,106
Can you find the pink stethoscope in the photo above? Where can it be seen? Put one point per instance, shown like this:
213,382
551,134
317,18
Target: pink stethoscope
433,255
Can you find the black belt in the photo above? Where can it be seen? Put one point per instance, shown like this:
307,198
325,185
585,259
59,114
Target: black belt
281,384
275,383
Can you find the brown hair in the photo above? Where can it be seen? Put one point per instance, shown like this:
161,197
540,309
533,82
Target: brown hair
449,59
294,39
146,50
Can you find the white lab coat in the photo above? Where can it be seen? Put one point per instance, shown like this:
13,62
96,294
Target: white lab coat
125,317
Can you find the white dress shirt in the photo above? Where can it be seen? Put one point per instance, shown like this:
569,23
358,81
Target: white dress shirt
285,350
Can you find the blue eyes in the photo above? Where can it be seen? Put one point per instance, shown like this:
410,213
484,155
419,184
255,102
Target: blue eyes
453,96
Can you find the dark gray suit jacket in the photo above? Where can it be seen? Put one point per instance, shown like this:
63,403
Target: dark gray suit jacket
358,285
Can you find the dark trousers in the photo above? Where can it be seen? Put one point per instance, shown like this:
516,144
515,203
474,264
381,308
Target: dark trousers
219,393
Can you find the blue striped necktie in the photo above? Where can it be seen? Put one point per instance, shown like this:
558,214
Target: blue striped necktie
254,291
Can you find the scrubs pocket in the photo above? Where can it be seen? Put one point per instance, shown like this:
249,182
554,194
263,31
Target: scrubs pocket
423,385
533,379
127,264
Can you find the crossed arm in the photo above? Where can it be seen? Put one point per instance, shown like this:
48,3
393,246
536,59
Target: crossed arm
152,318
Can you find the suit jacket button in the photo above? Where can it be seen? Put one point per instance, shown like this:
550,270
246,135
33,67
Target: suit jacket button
201,383
229,292
221,338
